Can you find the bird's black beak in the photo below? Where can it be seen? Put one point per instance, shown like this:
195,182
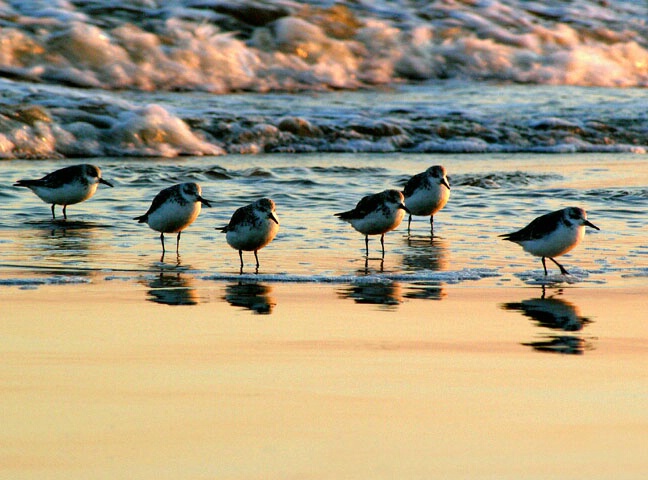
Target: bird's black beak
203,201
590,224
105,182
404,208
445,182
273,218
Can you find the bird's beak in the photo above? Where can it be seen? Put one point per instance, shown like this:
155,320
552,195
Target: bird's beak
404,208
105,182
203,201
445,182
590,224
273,218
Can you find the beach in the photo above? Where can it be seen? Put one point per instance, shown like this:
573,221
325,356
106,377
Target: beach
98,382
451,355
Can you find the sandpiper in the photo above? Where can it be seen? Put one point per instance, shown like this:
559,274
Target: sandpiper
66,186
426,193
376,214
173,210
553,234
252,227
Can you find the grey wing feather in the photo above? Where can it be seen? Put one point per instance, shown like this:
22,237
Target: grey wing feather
537,228
365,206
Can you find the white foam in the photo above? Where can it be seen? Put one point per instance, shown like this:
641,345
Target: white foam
448,277
153,131
40,281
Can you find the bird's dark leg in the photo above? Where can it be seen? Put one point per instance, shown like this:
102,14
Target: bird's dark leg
256,258
64,212
367,245
431,224
562,269
241,258
544,265
382,244
162,241
178,244
53,214
409,221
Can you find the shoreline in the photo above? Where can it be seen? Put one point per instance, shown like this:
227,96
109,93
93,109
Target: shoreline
104,380
238,380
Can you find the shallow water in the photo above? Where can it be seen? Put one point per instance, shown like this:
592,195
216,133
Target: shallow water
490,195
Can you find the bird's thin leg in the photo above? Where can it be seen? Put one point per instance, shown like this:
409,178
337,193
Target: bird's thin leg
382,244
64,212
162,241
431,224
178,244
241,257
53,214
562,269
367,245
257,259
544,265
409,221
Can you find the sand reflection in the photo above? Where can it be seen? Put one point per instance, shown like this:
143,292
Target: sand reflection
556,315
386,294
172,288
425,291
250,295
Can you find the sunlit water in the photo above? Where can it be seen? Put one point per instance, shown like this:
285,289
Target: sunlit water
491,195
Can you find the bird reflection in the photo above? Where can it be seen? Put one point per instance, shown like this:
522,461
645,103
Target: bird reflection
367,270
172,288
554,313
426,253
388,295
70,242
251,295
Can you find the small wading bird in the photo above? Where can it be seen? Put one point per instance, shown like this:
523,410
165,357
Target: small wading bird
66,186
376,214
173,210
553,234
251,228
426,193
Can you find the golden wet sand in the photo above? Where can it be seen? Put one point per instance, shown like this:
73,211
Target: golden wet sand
103,381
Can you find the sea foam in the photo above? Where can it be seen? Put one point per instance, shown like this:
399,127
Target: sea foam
281,45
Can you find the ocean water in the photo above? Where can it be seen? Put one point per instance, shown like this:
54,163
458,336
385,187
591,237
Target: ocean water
530,106
97,78
491,194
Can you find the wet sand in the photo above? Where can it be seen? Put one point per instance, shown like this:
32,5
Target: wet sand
201,379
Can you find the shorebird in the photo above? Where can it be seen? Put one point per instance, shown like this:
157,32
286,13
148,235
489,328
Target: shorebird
66,186
376,214
173,210
553,234
426,193
252,227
